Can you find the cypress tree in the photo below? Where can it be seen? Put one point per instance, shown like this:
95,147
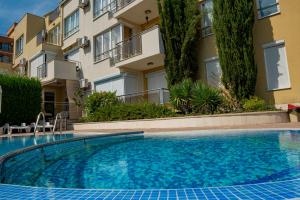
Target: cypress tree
233,27
180,28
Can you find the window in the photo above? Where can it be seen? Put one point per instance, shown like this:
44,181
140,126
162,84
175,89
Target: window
5,59
5,47
107,41
54,36
102,6
72,24
276,66
213,72
267,7
19,45
207,9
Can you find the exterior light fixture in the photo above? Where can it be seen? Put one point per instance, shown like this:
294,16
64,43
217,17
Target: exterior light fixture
147,12
150,63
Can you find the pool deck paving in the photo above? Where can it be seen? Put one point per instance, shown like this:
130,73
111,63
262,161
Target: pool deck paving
289,189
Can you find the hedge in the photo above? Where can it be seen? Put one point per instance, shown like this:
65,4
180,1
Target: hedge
125,111
21,99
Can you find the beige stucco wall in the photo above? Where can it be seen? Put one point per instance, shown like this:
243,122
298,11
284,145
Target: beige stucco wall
29,26
36,24
283,26
90,28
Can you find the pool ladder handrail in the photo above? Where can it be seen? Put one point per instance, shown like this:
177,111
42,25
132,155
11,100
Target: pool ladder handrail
58,115
37,122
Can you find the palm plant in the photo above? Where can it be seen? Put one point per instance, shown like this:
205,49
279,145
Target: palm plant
205,99
181,96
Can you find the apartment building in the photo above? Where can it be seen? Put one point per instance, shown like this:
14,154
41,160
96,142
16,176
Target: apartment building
121,49
6,53
117,43
38,54
276,49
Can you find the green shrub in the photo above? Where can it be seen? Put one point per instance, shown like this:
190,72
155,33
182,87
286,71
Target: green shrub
188,97
124,111
181,96
256,104
99,100
205,99
21,99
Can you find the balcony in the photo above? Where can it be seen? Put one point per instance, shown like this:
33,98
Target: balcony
57,70
51,39
141,52
136,11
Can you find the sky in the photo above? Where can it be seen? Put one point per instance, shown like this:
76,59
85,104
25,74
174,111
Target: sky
13,10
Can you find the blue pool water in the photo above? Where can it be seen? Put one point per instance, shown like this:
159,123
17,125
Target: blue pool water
155,162
8,144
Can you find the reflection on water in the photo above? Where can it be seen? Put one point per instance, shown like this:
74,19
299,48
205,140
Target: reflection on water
8,144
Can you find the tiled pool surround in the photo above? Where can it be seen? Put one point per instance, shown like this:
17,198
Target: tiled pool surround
289,189
268,191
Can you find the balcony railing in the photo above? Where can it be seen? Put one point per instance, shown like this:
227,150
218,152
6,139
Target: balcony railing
56,69
146,44
157,96
123,3
112,7
42,71
123,50
127,49
49,39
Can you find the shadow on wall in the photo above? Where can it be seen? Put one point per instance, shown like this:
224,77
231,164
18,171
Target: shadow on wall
263,34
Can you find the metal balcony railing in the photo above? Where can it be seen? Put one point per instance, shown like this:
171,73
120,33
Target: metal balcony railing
157,96
112,7
42,71
123,50
126,49
122,4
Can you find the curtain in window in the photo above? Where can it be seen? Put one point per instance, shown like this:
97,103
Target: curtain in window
106,41
98,47
115,36
71,23
97,7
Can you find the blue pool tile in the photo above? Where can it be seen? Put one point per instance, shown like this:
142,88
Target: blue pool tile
266,191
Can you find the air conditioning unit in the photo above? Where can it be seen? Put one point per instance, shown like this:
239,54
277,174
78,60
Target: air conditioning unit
83,83
23,62
83,3
83,42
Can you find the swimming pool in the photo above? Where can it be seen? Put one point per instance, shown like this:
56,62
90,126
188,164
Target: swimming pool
9,144
160,161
